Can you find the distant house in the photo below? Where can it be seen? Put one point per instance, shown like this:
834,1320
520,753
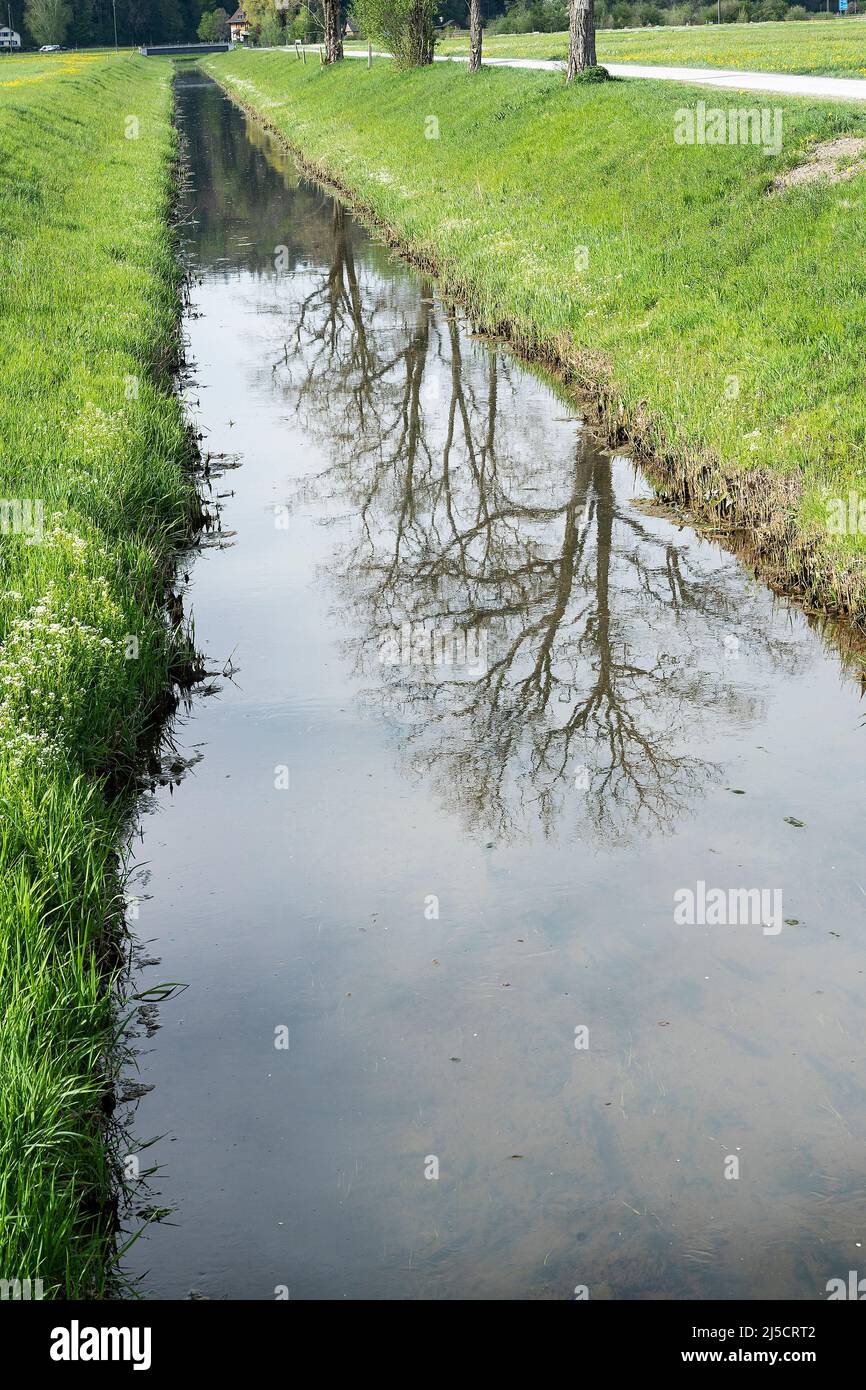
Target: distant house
351,29
9,40
239,27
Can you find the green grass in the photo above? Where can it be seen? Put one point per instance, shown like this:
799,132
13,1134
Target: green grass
92,434
694,275
835,46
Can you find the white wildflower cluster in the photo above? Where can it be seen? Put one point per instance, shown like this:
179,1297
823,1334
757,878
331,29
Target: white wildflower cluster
53,667
97,438
60,539
97,432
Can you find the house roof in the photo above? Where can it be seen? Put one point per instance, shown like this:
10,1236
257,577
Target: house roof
238,17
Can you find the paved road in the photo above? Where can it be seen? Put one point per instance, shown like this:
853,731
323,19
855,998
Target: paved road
787,84
791,84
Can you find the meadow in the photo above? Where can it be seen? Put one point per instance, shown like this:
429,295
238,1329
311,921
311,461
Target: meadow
835,46
722,327
95,500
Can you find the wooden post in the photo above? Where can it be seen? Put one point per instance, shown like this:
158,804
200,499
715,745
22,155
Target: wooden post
369,53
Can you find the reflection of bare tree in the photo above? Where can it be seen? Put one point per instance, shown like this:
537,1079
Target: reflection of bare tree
479,510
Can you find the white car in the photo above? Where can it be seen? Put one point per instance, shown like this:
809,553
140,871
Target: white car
50,48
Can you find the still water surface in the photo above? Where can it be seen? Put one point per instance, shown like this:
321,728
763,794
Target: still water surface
425,878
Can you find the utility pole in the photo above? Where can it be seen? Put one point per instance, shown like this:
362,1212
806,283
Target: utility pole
114,8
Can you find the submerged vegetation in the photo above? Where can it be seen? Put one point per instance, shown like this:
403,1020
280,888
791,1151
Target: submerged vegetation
94,502
720,329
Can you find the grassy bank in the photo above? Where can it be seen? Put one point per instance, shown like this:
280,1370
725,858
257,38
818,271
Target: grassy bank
93,502
722,327
835,46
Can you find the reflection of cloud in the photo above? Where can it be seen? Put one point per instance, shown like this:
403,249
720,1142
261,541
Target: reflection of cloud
481,509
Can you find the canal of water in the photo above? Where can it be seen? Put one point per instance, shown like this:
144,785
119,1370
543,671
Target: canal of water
516,879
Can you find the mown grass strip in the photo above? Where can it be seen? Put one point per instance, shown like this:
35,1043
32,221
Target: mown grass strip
724,328
94,501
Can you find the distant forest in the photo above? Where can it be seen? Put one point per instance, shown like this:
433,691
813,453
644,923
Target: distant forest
90,23
86,23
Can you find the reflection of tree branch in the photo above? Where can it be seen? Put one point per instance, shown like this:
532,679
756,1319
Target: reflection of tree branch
571,591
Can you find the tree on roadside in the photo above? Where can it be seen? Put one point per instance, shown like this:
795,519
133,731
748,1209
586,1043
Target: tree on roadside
474,35
581,37
403,27
261,17
213,27
317,21
48,20
271,33
333,23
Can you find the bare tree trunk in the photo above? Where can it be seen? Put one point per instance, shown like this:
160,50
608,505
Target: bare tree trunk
333,31
421,33
581,37
474,35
